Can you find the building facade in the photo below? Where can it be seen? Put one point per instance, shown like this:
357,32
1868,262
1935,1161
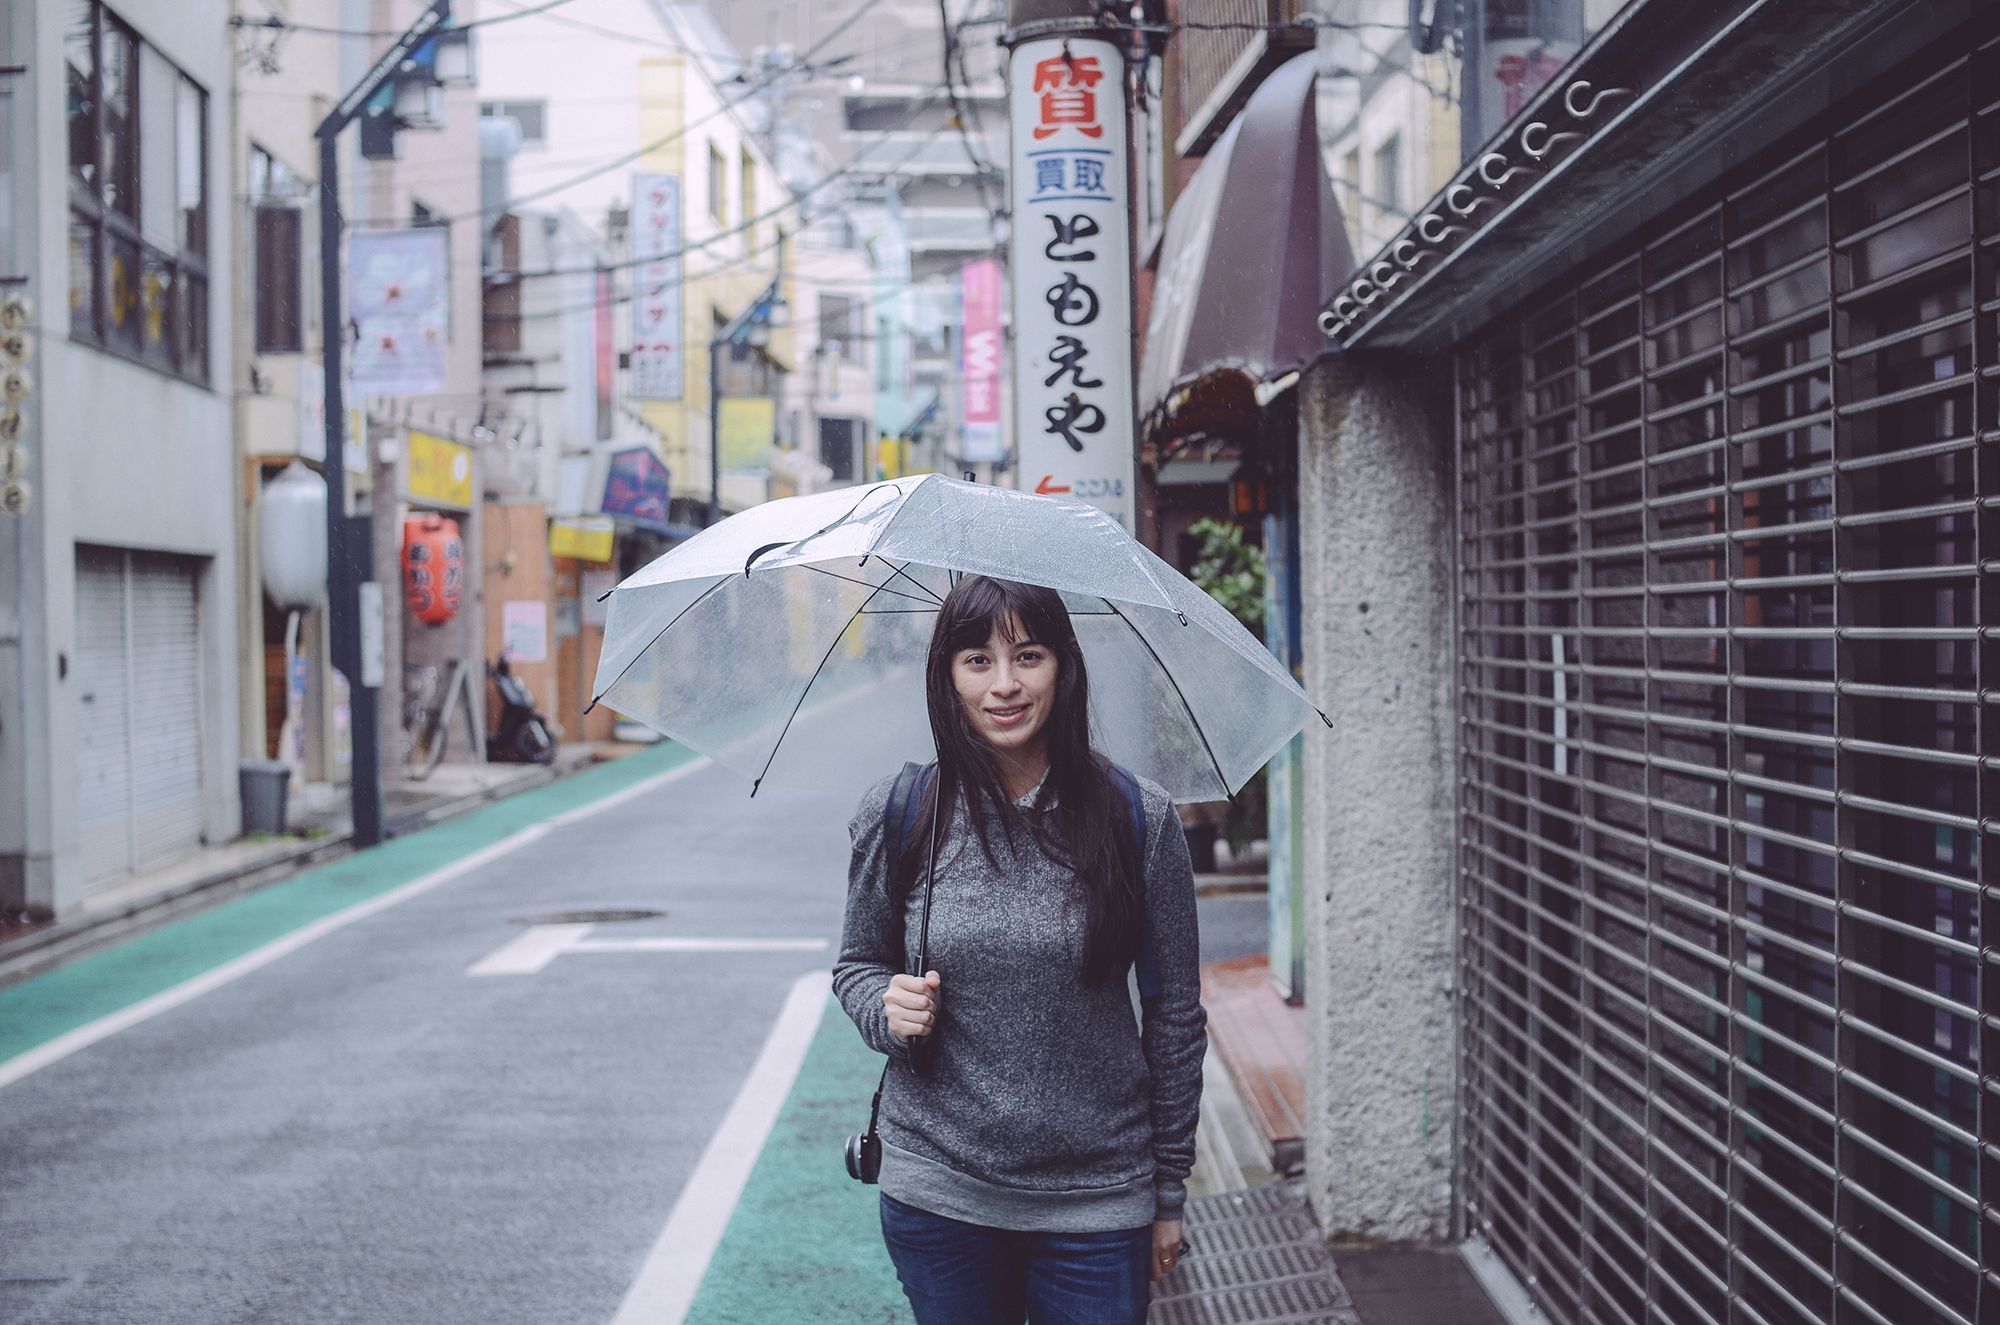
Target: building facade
866,123
118,554
1659,638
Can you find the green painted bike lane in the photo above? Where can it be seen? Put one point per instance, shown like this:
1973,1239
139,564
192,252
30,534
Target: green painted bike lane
55,1002
805,1244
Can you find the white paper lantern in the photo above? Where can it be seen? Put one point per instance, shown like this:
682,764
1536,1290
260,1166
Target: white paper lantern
291,538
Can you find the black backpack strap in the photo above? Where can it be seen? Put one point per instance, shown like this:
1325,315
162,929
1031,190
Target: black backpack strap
905,799
1148,963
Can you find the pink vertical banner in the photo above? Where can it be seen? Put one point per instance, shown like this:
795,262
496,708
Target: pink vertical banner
979,391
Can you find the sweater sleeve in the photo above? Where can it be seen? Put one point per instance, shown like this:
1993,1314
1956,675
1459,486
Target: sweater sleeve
1173,1031
868,935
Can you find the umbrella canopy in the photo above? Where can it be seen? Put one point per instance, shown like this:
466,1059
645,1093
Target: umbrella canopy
788,642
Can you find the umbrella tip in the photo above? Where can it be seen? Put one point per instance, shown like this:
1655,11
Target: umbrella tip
588,707
1182,616
1322,717
606,594
753,788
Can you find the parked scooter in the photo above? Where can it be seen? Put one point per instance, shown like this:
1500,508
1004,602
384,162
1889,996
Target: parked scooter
523,735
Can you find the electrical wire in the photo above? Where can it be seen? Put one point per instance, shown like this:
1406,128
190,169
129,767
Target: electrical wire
626,158
278,23
983,168
798,195
729,264
618,300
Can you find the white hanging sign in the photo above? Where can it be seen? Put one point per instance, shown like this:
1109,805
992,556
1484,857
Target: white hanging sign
1072,273
657,358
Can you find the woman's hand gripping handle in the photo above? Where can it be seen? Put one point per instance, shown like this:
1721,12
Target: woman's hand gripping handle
911,1005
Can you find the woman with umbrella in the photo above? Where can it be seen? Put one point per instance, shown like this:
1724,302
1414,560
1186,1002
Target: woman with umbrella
1035,1141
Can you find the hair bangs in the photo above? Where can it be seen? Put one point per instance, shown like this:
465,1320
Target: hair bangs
982,607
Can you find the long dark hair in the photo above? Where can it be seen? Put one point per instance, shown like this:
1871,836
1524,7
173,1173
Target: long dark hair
1088,829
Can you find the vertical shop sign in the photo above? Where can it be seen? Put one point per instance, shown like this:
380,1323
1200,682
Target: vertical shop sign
979,391
657,361
1072,272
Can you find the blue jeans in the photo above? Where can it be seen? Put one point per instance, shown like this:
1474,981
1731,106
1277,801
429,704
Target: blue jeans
956,1273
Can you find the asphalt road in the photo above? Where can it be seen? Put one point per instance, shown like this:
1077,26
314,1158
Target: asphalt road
361,1130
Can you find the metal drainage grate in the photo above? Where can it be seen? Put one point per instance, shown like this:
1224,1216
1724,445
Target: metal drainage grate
604,917
1253,1256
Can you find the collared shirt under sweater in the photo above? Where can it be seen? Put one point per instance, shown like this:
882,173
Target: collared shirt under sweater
1047,1105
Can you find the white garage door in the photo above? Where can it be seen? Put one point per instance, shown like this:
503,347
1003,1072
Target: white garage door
139,686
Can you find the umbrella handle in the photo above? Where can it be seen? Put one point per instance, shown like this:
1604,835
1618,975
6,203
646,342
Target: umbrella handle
920,1046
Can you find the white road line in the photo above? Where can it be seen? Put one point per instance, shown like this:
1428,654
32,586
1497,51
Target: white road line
667,1282
54,1051
667,944
529,953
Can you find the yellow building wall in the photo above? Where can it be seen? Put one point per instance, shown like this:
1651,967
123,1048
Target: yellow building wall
721,271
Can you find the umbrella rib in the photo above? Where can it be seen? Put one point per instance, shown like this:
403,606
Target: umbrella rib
921,586
655,640
800,702
866,585
1186,707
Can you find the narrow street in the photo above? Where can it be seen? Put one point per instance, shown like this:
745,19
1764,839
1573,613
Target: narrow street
368,1128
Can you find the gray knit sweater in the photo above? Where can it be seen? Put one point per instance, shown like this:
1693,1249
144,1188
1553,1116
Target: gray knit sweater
1046,1105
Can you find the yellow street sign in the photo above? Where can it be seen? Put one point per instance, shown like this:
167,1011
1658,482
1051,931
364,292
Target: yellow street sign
588,539
440,471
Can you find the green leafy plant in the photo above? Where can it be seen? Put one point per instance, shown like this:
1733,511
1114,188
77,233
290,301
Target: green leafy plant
1231,569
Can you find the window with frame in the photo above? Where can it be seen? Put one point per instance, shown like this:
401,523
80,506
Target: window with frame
1389,178
718,184
747,189
278,321
138,168
840,327
531,117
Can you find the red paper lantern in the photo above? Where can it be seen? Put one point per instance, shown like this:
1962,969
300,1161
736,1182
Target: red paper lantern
433,567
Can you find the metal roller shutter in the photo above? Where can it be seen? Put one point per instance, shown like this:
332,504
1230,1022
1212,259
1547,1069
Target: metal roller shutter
166,712
104,752
139,680
1728,620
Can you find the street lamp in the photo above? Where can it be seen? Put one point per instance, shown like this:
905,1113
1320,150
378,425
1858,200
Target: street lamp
354,597
752,327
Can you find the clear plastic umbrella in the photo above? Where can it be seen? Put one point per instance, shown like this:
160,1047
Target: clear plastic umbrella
788,642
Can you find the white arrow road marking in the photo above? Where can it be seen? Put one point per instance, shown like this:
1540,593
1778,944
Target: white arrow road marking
539,945
667,1281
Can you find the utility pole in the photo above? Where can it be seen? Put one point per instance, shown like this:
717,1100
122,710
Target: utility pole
354,598
1071,254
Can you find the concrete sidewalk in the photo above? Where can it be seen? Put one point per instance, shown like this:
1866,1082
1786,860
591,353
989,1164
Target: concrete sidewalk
320,830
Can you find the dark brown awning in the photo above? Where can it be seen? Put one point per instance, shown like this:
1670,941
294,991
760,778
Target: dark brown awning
1255,246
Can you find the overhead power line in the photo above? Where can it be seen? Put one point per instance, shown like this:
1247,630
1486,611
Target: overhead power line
626,158
982,166
798,196
278,23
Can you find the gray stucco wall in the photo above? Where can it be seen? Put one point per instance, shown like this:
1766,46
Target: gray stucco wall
1376,571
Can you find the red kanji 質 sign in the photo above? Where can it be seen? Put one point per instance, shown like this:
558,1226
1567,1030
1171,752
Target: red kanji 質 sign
1066,88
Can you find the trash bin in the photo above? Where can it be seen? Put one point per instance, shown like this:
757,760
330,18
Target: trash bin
263,783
